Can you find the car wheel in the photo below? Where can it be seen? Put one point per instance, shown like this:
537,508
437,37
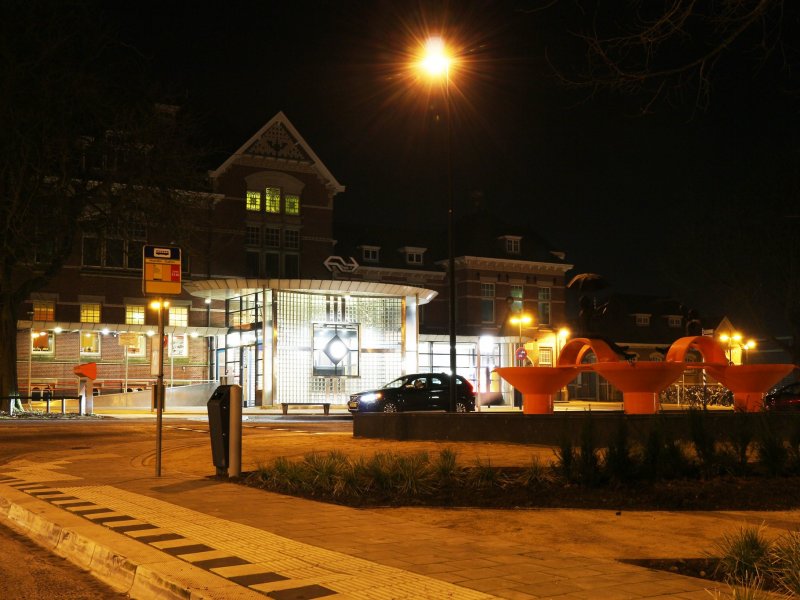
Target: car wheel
461,407
390,407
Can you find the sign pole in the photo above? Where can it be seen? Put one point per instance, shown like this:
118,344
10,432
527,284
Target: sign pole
160,385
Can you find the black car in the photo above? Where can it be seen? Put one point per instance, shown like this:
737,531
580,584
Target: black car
420,391
784,398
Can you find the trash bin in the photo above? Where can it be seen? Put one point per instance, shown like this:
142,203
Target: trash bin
219,407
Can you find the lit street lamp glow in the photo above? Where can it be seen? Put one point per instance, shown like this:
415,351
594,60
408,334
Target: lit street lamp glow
520,320
435,60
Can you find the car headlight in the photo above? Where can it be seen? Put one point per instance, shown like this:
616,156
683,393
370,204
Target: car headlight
371,397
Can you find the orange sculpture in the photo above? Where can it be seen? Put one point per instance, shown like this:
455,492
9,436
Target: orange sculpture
537,385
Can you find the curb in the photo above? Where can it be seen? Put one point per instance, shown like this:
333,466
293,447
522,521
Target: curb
107,565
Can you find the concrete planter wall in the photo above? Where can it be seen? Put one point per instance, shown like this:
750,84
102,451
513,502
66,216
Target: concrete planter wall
550,429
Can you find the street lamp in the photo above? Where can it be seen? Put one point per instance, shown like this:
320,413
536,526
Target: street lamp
734,340
435,61
520,320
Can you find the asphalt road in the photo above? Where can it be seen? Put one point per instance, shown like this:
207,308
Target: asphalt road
29,572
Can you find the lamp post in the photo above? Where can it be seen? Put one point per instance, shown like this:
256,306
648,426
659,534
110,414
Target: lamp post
520,320
436,62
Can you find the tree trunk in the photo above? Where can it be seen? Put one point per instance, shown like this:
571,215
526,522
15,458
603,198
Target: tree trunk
8,353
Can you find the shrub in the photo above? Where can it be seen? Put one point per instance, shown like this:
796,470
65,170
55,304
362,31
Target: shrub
380,472
772,454
484,476
704,442
740,438
785,561
413,475
588,463
289,475
617,459
750,588
663,456
535,474
446,471
565,458
743,556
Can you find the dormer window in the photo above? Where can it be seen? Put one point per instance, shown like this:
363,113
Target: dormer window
413,255
370,254
674,321
642,320
512,243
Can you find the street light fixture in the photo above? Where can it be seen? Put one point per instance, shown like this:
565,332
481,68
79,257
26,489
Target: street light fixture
734,340
520,320
436,61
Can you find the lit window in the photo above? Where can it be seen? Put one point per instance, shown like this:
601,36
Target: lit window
90,313
272,200
179,316
252,235
674,322
487,302
272,237
292,204
134,314
42,342
135,344
291,239
90,343
178,344
44,311
370,254
253,201
517,296
545,295
642,320
545,356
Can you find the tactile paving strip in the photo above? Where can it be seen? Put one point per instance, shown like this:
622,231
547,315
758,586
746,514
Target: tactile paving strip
260,561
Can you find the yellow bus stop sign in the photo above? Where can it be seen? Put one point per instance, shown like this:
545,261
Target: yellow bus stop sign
161,275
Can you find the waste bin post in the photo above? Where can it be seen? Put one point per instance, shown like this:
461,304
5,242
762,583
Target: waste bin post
235,433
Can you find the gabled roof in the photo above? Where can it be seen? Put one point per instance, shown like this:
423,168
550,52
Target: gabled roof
278,138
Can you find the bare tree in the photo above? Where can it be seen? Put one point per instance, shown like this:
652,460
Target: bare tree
79,149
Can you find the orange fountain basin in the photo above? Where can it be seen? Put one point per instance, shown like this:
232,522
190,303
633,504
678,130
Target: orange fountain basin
640,382
537,385
749,382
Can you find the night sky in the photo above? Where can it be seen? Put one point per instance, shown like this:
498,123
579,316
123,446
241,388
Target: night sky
611,187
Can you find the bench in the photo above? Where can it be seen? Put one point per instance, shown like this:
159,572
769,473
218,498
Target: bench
326,406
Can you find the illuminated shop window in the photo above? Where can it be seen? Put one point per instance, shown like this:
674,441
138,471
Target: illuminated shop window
178,344
136,344
336,349
545,356
179,316
253,201
292,203
42,342
90,313
134,314
272,200
44,310
90,342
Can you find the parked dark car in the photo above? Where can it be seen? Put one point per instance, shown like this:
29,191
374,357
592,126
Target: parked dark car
784,398
420,391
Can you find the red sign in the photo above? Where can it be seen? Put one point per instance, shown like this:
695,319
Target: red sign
521,354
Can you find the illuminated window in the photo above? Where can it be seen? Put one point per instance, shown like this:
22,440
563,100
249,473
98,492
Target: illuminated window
134,314
90,313
642,320
487,302
291,239
44,311
272,200
179,316
42,342
674,322
545,356
178,344
90,343
253,201
272,237
292,204
252,235
335,350
135,344
545,295
516,295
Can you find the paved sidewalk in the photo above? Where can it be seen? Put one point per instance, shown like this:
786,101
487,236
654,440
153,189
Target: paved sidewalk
187,536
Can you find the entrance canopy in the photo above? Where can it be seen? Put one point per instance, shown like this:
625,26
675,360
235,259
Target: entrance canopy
223,289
